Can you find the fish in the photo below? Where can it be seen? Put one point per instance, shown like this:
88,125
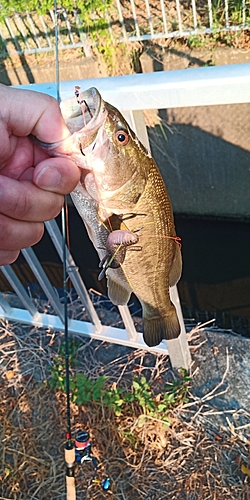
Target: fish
126,209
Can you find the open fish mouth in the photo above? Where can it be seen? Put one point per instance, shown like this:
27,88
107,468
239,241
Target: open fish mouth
84,111
83,114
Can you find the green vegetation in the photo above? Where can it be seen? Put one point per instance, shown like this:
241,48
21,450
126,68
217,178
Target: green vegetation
84,7
197,41
235,12
90,16
87,7
139,402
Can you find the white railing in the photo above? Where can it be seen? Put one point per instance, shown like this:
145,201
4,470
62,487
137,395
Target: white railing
131,94
125,21
164,89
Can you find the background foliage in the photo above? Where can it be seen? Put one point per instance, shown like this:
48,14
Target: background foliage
84,9
137,400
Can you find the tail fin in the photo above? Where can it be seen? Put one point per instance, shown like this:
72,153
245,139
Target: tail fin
157,328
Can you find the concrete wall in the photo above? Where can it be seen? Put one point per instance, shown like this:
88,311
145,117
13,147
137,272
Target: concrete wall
23,70
203,152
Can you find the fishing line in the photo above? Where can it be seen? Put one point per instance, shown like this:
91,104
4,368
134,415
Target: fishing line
69,447
72,452
57,53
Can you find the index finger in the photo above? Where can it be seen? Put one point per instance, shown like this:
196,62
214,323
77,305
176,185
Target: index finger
27,112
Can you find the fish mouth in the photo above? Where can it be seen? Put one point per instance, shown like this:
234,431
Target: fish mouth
84,116
84,112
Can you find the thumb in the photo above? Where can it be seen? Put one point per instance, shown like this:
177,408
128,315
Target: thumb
59,175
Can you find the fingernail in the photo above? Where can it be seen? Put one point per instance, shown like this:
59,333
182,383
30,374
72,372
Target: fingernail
49,177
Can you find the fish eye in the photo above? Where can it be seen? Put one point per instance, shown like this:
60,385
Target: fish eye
122,137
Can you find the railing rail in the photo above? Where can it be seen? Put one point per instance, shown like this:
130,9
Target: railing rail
126,21
132,94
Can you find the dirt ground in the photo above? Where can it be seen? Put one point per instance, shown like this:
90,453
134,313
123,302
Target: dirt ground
202,454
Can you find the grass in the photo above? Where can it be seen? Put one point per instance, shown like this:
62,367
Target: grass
144,457
137,399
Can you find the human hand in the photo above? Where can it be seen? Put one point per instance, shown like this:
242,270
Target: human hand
32,184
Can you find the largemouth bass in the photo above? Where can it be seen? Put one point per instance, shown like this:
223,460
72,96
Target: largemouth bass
126,209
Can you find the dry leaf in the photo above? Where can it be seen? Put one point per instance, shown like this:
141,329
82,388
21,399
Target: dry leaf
245,470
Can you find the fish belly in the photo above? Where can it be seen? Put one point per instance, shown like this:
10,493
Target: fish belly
98,230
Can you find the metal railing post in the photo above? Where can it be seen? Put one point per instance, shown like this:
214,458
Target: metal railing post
19,289
5,305
178,348
74,274
42,278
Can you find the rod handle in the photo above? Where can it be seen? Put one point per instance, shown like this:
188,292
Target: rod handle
69,453
70,488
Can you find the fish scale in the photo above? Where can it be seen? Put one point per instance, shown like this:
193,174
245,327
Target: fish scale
151,284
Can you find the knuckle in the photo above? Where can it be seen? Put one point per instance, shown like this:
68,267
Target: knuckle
52,105
51,101
8,257
33,204
57,206
15,200
37,233
15,235
6,234
22,206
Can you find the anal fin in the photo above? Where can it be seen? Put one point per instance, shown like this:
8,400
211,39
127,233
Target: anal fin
118,295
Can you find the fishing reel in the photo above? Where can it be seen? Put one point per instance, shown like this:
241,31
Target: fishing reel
83,454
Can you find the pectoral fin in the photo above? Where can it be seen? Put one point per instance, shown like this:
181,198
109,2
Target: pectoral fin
175,271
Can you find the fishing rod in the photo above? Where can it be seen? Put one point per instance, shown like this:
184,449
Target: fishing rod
69,449
78,451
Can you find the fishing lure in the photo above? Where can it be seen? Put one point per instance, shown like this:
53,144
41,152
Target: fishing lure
118,242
